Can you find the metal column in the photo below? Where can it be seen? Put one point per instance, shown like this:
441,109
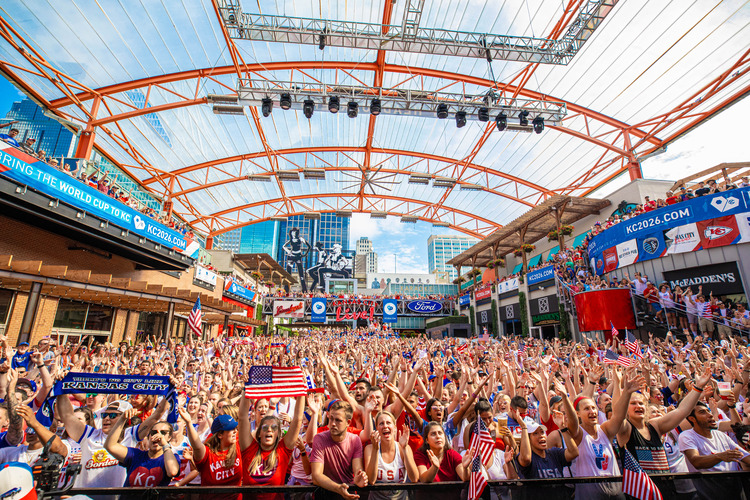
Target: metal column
29,314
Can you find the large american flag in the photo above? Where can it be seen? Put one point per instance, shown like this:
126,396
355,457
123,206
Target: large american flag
482,441
632,345
477,482
275,382
612,358
194,320
635,482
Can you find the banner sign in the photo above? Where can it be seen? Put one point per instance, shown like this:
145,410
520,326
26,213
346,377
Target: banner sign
483,293
545,319
508,285
705,222
318,310
721,279
464,300
510,312
238,291
289,309
539,275
17,165
204,275
424,306
390,310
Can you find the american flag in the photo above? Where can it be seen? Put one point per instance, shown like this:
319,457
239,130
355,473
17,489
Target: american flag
653,461
612,358
631,344
311,385
477,481
635,482
482,441
522,349
274,381
615,333
194,320
462,348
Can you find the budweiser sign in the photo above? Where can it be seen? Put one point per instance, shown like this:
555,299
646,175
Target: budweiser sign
288,308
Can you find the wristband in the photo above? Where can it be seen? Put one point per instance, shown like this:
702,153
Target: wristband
732,406
698,389
39,367
474,395
303,453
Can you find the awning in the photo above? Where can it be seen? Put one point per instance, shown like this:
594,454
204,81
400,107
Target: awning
517,268
579,239
535,260
552,253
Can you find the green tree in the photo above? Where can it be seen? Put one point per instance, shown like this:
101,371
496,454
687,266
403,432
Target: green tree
524,314
472,319
495,323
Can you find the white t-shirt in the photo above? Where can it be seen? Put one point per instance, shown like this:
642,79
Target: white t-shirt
719,442
20,453
99,469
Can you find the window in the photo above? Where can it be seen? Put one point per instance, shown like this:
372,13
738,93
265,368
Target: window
6,303
72,315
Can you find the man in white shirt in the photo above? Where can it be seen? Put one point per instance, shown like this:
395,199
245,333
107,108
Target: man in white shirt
708,449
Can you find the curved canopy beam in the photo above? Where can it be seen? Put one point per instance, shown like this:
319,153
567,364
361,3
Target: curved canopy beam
229,219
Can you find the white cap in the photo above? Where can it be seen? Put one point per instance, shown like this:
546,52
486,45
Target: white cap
17,482
120,405
532,425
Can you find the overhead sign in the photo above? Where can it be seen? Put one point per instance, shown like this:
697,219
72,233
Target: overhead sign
539,275
390,310
510,312
17,165
424,306
204,275
318,310
706,222
288,308
236,290
545,319
508,285
721,279
464,300
483,293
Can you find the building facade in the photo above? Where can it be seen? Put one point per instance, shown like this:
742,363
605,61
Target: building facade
442,248
262,237
50,135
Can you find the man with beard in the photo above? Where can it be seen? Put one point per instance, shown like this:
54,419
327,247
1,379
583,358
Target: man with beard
336,459
708,449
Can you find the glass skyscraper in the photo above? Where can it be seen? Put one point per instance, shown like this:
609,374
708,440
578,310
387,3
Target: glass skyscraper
262,237
441,249
327,230
50,136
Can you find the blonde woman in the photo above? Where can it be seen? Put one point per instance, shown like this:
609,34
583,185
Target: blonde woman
388,460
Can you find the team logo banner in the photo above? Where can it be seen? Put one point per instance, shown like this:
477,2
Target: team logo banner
289,309
318,310
390,311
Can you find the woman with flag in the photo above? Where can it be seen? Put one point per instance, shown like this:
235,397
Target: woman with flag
266,453
388,460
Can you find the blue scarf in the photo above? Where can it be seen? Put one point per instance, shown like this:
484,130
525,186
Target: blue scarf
102,383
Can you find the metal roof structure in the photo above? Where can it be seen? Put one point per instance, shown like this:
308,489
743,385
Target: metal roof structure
176,93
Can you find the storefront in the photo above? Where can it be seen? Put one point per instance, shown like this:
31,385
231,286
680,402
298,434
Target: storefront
75,319
723,280
510,318
545,313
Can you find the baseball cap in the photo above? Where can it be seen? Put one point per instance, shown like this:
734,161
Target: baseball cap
28,382
120,405
17,481
23,343
532,425
223,423
554,400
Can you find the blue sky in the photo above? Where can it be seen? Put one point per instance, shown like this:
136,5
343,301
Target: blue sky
8,94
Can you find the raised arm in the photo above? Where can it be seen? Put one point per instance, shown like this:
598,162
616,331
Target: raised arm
243,424
112,443
290,438
152,419
42,432
199,449
74,427
14,436
620,408
673,418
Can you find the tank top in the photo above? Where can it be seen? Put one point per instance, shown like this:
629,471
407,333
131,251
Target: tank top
666,299
690,306
596,457
649,452
394,472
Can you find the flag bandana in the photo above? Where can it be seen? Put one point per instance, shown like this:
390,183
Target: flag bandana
102,383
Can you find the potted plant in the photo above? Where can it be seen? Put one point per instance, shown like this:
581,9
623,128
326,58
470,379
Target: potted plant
499,262
566,229
518,252
552,236
528,248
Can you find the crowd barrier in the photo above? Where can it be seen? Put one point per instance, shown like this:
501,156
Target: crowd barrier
508,489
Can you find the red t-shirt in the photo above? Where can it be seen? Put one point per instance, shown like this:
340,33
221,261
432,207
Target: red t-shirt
447,470
550,424
214,473
277,475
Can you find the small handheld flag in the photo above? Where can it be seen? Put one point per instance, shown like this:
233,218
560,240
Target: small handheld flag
195,318
635,482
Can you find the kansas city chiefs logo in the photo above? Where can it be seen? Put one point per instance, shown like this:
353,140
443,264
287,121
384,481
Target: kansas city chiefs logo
714,232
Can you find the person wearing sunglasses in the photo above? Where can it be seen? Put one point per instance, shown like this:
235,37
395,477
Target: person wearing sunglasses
154,467
266,453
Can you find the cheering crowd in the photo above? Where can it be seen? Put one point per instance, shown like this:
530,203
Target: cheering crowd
381,409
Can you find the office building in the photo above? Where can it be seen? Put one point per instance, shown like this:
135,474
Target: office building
366,260
30,121
229,240
325,231
442,248
262,237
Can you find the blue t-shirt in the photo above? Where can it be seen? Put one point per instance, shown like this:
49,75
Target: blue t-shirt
21,360
9,140
144,471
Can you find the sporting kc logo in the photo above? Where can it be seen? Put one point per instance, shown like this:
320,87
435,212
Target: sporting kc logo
650,245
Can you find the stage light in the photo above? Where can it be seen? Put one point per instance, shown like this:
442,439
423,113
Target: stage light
266,106
483,114
523,118
538,124
352,109
285,101
460,119
308,107
334,104
375,107
501,121
442,111
321,42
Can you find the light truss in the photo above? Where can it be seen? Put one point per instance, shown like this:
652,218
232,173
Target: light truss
405,102
411,38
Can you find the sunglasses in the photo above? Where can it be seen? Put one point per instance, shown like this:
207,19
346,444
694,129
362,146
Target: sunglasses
267,427
163,432
111,415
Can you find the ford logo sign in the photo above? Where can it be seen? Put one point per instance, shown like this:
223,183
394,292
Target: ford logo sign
424,306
